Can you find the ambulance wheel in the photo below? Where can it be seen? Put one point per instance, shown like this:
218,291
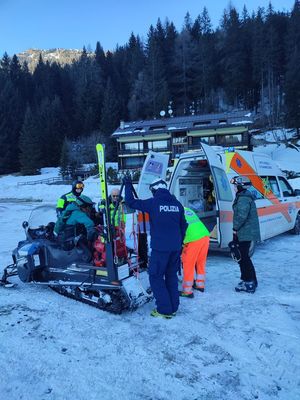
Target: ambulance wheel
296,229
252,248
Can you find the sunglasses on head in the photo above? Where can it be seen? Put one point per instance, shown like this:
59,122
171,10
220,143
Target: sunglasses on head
79,186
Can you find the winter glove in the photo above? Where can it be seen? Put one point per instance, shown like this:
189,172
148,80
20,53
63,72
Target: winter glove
127,180
235,236
235,251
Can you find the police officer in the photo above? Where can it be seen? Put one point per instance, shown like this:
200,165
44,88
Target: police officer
167,230
67,198
245,230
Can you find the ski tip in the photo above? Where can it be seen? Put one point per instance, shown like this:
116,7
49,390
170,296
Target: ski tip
99,146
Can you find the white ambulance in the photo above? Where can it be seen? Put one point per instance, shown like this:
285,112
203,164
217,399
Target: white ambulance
201,181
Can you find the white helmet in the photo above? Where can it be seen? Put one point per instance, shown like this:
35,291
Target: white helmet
158,183
240,181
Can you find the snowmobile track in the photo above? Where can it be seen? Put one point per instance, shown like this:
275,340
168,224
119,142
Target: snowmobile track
114,307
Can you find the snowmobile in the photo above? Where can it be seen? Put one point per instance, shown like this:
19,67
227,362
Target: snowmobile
68,266
104,274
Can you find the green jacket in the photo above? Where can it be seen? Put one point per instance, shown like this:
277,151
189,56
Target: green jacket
120,215
196,229
72,215
245,218
65,200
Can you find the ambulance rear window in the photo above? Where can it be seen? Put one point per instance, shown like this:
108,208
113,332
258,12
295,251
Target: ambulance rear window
223,187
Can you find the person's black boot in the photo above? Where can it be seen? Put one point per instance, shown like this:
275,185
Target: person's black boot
248,287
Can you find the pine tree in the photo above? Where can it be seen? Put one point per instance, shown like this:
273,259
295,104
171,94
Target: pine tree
275,32
292,86
30,145
5,64
258,61
11,118
53,127
234,58
155,73
110,111
185,62
136,58
15,71
64,162
138,104
110,118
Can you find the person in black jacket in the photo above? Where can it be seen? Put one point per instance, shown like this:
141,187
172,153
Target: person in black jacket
167,230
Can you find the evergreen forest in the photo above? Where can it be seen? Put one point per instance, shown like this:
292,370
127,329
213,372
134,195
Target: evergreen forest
248,62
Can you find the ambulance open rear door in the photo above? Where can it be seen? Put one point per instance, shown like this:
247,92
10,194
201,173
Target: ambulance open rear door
155,167
223,196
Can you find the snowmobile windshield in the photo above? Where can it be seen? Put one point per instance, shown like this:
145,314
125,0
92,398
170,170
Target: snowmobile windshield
41,216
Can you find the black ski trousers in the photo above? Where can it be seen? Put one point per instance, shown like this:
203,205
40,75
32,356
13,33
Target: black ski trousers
246,266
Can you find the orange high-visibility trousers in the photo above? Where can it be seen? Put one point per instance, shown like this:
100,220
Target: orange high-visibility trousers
194,254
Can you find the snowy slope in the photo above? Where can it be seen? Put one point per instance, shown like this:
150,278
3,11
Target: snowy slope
221,345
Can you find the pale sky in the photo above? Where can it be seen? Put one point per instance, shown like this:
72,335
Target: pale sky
71,24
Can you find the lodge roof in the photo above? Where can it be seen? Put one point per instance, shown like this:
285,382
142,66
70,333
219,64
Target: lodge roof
184,123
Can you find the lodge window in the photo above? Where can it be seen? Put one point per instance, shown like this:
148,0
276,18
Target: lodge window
132,162
230,139
179,140
157,128
200,124
208,140
159,145
133,146
211,140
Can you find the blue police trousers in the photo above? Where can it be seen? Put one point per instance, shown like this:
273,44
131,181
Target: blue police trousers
163,268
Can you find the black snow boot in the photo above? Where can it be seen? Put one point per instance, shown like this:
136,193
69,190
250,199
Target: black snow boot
248,287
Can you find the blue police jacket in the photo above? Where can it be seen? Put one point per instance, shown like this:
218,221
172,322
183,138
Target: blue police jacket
166,215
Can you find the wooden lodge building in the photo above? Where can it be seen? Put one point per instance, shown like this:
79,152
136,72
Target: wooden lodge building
180,134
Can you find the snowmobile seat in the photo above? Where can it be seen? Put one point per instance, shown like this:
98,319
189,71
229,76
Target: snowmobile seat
69,238
66,238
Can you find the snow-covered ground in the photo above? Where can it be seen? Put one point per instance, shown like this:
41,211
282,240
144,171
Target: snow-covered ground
221,344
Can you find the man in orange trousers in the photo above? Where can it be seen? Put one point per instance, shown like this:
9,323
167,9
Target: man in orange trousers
194,254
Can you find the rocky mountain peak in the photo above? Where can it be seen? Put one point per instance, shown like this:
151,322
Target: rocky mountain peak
60,56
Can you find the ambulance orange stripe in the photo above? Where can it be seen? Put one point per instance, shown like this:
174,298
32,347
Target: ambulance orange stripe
239,165
281,208
226,216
